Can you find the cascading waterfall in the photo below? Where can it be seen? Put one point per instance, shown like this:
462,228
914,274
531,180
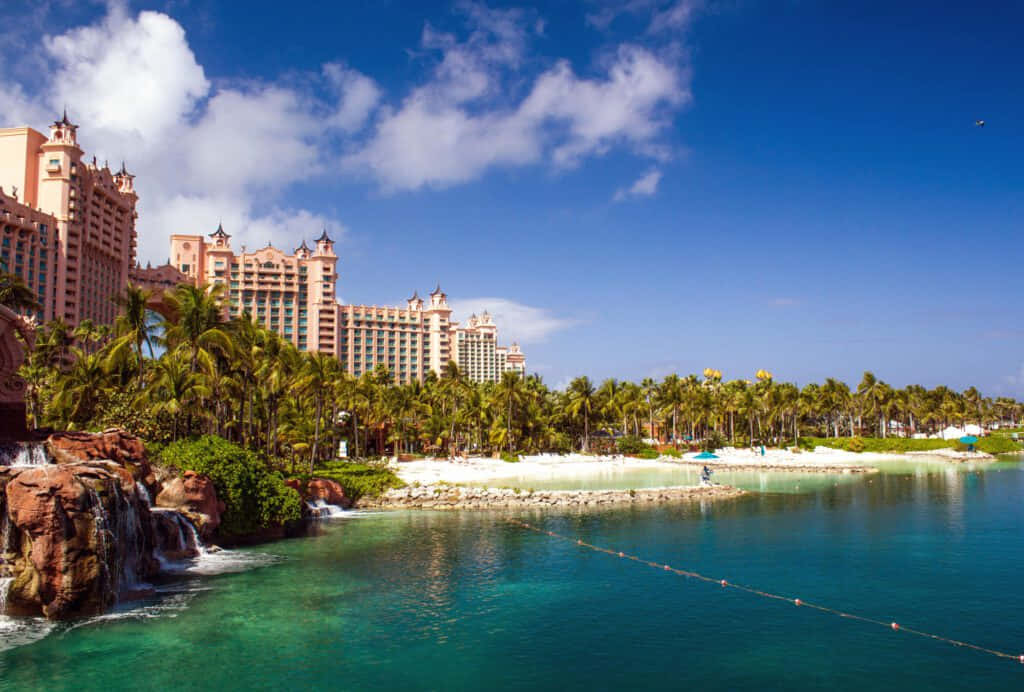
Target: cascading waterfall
196,542
319,509
5,534
24,454
130,535
5,587
101,530
189,544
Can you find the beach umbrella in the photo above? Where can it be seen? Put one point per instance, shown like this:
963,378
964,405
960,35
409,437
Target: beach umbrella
969,439
705,455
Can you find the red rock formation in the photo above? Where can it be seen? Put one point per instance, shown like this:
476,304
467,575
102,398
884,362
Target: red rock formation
80,533
194,496
329,491
113,444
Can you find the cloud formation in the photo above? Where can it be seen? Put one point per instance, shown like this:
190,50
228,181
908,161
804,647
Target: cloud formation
456,126
208,151
645,186
517,322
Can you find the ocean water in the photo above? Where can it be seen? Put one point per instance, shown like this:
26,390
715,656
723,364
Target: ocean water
465,601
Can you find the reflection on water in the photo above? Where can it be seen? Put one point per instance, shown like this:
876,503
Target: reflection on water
623,478
434,600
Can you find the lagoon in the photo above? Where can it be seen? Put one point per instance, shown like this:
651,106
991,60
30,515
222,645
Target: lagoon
434,600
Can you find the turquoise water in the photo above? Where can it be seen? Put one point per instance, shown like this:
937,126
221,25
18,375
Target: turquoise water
624,478
422,600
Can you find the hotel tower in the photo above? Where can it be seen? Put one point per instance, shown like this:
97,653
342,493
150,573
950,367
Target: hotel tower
294,295
67,227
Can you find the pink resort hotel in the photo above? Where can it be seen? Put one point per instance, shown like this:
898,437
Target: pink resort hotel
67,228
294,295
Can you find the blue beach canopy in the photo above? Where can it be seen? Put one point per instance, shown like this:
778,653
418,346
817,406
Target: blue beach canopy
705,455
968,439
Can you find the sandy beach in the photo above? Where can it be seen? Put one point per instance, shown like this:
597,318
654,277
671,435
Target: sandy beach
486,470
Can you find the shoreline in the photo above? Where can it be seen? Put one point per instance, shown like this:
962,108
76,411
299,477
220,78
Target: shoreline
544,468
449,497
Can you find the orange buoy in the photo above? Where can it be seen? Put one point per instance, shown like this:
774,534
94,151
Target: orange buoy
895,625
579,542
622,555
725,583
797,601
667,567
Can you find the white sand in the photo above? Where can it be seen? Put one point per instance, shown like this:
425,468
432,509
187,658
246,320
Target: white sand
477,469
570,466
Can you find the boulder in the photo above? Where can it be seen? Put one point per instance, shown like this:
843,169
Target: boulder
113,444
78,535
329,491
194,496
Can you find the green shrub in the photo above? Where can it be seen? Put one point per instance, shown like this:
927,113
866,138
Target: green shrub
855,444
673,452
510,458
648,454
254,496
357,479
631,444
998,444
893,445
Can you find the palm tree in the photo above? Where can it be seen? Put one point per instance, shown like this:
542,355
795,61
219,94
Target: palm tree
454,385
581,396
174,391
134,326
318,374
198,324
15,294
650,390
510,390
672,396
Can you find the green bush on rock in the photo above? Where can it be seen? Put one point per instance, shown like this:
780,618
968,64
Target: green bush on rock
255,497
357,479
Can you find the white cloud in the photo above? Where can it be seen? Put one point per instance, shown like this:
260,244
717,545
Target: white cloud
205,151
201,154
675,16
524,324
645,186
358,97
462,122
663,16
128,74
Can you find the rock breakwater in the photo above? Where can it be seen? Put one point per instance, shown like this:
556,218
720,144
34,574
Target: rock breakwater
456,497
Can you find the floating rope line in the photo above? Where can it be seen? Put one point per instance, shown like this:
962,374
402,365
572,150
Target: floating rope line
894,626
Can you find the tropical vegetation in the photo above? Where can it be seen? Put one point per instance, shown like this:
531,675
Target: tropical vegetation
190,371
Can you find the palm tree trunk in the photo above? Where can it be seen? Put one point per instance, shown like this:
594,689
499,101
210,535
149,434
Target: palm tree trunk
316,433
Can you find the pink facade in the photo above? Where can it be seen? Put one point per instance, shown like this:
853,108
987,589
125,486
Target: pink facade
409,341
28,248
292,295
89,211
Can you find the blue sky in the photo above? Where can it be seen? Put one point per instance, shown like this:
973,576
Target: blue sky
633,187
